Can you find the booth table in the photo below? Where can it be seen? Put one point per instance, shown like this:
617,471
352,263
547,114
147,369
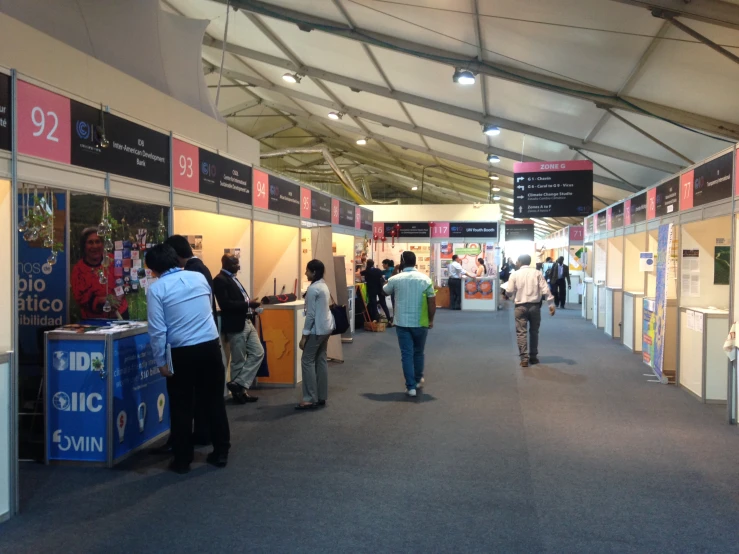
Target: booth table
703,362
633,316
282,329
105,397
614,306
480,294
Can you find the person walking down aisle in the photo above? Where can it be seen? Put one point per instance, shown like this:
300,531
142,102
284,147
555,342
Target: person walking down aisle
240,339
527,286
545,268
415,308
319,324
375,279
181,322
558,274
456,272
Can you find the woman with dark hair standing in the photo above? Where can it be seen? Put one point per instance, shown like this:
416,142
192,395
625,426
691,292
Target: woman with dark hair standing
480,267
319,324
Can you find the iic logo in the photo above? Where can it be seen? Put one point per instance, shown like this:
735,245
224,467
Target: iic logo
209,170
78,402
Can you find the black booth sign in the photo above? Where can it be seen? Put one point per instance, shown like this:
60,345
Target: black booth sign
519,231
409,230
668,197
602,222
589,226
284,196
320,207
712,180
639,208
617,216
346,214
367,219
474,229
224,178
5,123
133,150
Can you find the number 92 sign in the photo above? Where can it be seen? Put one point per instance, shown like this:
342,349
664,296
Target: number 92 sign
44,124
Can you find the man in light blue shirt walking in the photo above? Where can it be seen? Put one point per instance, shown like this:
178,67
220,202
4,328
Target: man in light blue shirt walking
181,321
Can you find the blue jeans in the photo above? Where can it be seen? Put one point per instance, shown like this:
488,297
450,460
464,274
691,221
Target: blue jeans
412,341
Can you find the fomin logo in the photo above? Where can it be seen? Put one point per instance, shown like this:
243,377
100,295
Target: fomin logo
77,444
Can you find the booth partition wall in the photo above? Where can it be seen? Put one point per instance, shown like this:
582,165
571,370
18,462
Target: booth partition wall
671,258
85,192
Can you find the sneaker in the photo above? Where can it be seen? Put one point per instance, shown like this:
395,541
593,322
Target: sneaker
411,393
421,383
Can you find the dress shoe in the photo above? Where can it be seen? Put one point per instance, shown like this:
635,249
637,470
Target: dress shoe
217,460
249,398
524,363
533,361
161,450
321,403
179,468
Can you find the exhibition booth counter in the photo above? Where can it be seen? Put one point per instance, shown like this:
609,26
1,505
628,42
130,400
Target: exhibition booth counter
633,314
105,396
613,311
282,330
480,294
703,363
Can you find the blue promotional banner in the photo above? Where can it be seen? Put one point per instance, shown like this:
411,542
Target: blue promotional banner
664,242
42,288
76,401
140,401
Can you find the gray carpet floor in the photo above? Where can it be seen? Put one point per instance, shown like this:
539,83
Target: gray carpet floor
578,454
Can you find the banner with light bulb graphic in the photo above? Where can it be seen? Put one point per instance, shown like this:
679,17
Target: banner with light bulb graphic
140,402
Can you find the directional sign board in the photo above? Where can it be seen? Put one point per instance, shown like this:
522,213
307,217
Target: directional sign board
553,189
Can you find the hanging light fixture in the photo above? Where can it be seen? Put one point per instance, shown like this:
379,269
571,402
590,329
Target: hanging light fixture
335,115
493,159
496,197
414,188
495,189
490,130
362,141
463,77
493,176
293,78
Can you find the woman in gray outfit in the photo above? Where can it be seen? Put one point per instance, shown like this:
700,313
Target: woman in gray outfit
319,323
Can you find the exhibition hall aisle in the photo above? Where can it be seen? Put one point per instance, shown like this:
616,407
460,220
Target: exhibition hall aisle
578,454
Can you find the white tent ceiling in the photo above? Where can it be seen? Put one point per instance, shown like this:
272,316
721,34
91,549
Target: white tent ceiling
548,71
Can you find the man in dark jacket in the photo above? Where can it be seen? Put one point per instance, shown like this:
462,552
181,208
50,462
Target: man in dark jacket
375,280
238,335
558,274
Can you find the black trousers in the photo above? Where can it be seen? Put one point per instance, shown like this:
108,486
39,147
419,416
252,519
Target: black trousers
559,290
372,304
198,370
455,293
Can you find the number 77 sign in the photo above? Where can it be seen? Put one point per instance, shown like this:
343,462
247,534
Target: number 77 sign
686,190
44,124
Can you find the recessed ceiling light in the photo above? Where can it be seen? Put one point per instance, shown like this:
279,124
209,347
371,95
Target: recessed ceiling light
463,77
490,130
493,159
361,142
493,176
291,78
335,115
414,188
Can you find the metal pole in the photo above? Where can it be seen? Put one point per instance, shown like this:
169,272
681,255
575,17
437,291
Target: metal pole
13,400
669,16
731,405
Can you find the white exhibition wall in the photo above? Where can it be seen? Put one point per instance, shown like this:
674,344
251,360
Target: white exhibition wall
219,232
615,264
599,261
705,236
56,65
276,256
633,246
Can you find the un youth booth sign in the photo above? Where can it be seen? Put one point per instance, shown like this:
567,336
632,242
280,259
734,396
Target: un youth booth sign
76,399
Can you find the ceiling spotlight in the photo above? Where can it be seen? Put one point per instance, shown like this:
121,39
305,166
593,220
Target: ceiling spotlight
496,197
293,78
493,159
463,77
490,130
362,141
335,115
496,189
414,188
493,176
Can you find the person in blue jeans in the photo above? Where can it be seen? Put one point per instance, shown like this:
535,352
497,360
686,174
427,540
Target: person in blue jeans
413,316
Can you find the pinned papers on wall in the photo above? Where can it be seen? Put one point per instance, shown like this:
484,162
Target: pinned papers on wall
698,321
646,261
691,319
690,274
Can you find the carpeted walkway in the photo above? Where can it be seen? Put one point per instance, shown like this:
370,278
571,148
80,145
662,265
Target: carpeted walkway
578,454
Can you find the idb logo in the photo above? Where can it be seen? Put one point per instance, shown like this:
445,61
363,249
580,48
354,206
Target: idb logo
209,170
77,361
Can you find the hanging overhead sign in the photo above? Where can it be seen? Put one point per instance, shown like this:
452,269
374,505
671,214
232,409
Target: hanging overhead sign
519,230
5,123
667,198
553,189
707,183
223,178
